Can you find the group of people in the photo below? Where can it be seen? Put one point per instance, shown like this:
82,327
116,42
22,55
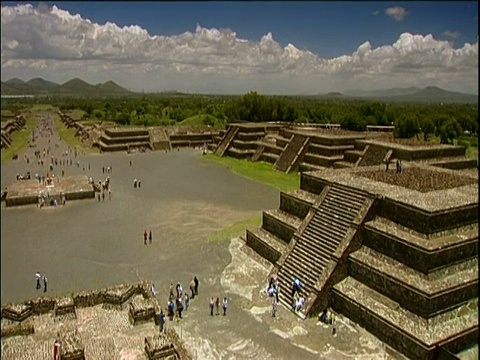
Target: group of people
216,303
178,301
147,234
38,278
298,299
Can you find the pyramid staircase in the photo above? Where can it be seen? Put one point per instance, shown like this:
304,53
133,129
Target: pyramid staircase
333,222
292,153
226,141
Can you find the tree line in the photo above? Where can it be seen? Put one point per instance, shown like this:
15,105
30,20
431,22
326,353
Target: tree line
446,121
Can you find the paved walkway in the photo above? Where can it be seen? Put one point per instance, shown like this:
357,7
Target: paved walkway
183,199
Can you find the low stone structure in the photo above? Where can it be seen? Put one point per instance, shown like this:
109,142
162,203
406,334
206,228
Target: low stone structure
77,337
308,148
14,123
27,192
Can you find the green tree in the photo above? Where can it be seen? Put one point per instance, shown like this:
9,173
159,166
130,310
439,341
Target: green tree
406,126
449,130
427,127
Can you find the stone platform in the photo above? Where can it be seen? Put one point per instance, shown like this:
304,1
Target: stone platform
26,192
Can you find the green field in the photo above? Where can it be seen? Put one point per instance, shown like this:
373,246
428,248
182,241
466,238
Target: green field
203,120
259,171
236,229
20,139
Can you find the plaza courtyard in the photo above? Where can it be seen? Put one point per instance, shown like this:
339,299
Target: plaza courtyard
183,200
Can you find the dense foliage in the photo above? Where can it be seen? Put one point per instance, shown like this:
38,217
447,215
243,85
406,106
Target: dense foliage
446,121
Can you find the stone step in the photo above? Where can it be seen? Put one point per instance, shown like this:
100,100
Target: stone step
334,225
269,157
413,335
425,295
280,223
339,209
352,202
302,266
329,150
343,165
270,148
321,160
320,242
310,253
349,192
304,166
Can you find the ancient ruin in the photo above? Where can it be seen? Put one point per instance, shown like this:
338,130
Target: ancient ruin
75,321
394,250
311,147
14,123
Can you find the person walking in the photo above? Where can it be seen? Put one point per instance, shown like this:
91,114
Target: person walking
192,288
150,237
161,320
224,305
187,301
212,304
274,307
217,305
45,283
38,277
145,234
197,283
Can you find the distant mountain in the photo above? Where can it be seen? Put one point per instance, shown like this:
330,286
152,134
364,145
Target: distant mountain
414,94
382,93
112,87
74,87
41,85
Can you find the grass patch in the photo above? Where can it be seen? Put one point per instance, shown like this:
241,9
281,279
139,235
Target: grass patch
235,229
20,139
76,114
259,171
68,136
203,120
472,153
43,107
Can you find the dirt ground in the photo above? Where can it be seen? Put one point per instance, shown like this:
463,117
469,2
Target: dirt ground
182,199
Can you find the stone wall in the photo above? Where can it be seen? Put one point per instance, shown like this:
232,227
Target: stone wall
312,184
294,205
277,228
383,330
418,258
427,223
413,299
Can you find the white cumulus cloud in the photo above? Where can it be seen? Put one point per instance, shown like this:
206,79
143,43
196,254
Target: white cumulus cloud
56,45
397,13
451,34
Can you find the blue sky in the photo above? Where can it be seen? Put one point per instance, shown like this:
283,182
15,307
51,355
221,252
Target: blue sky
327,29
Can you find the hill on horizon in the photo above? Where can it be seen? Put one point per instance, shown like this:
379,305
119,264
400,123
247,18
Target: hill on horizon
414,94
79,87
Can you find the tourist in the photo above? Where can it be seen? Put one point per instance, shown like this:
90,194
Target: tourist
187,301
145,234
334,325
109,194
171,309
38,277
150,237
130,162
179,307
139,183
274,307
192,288
224,305
135,183
300,303
161,320
212,303
152,289
56,350
217,305
196,285
103,195
171,295
45,282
